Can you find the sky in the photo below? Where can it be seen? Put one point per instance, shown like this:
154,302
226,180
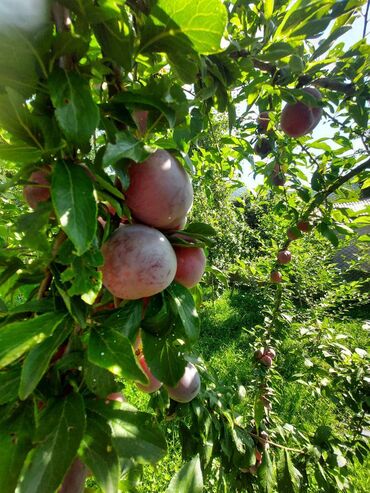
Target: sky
323,129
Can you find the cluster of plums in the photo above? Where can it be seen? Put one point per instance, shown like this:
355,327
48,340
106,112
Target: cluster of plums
297,119
139,260
265,356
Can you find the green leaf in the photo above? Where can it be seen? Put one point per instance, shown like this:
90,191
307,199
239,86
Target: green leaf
38,359
189,479
15,442
277,51
269,9
99,455
75,109
100,381
136,434
328,233
164,358
19,153
183,304
9,383
72,193
201,229
191,23
110,349
126,319
126,146
58,438
267,473
115,39
16,118
288,476
18,337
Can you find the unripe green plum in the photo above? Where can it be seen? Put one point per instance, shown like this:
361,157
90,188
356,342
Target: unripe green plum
299,118
284,257
160,192
191,263
138,262
154,384
188,386
40,190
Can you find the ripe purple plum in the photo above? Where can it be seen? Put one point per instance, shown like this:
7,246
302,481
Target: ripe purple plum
39,191
276,277
299,118
188,386
139,261
160,192
191,263
284,257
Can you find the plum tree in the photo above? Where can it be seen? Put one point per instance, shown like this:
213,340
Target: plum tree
284,257
191,263
300,118
187,387
154,384
160,192
139,261
39,190
276,277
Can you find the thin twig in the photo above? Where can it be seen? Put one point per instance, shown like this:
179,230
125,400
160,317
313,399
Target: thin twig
274,444
365,19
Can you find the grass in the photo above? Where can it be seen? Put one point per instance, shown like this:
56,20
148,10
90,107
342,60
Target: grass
227,344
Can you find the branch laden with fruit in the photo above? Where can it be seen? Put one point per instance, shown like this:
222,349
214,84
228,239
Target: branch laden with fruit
106,123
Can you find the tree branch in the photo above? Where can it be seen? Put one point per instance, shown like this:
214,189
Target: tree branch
365,20
322,196
63,24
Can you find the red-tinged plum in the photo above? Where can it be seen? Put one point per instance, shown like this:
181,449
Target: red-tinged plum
160,192
263,121
259,353
276,277
284,257
293,234
300,118
140,118
138,262
191,263
116,397
39,191
154,384
188,386
266,360
270,352
304,226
